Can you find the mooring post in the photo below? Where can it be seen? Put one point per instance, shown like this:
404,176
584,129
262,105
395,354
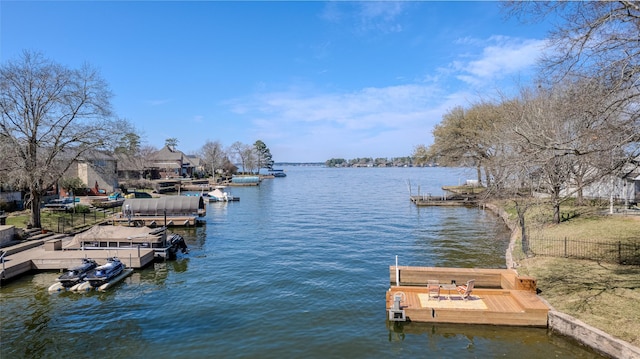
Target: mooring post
397,273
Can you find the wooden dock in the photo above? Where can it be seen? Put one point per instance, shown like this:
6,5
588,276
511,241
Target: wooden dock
454,200
47,254
500,297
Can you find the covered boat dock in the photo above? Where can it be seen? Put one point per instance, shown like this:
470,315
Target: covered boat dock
164,211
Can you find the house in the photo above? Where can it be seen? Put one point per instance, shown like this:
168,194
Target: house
10,200
135,167
624,187
98,170
171,163
198,167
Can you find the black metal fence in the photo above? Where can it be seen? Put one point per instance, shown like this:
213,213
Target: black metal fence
65,222
619,252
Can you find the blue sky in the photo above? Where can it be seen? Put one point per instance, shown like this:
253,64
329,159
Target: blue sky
313,80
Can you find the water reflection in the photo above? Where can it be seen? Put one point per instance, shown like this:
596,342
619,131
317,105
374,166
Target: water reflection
472,339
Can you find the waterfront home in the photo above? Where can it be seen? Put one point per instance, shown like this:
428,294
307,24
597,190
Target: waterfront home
97,170
170,163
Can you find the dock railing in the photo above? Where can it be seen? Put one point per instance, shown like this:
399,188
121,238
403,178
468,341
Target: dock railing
484,277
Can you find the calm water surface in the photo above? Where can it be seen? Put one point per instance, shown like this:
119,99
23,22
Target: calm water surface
297,269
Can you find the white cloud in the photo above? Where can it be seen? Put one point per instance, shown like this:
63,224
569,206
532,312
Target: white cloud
302,122
501,58
381,15
371,122
367,16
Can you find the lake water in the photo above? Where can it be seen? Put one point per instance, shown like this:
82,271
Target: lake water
298,268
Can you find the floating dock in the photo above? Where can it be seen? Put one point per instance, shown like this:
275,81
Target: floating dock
500,297
86,287
47,254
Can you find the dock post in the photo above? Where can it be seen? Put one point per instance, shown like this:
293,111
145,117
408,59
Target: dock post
397,273
2,259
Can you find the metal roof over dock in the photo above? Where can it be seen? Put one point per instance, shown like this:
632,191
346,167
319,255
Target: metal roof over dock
168,205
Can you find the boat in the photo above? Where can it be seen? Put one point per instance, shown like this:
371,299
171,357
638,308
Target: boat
277,173
219,195
73,276
105,273
177,242
61,204
86,286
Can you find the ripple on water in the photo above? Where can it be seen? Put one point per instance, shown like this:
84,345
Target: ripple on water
298,268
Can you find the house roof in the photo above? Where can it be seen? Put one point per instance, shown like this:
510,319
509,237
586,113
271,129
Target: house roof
126,162
168,154
195,161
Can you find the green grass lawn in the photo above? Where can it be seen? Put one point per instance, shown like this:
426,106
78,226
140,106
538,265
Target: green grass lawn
58,221
604,295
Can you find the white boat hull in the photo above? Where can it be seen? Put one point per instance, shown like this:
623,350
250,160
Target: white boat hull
86,286
56,287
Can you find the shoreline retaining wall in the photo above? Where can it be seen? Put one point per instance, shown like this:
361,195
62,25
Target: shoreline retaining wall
6,234
565,324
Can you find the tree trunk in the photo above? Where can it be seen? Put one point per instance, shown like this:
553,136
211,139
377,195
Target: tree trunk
521,210
556,212
580,193
35,221
556,204
523,235
580,197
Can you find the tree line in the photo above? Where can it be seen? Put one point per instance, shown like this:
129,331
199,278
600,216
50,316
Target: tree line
216,159
370,162
576,125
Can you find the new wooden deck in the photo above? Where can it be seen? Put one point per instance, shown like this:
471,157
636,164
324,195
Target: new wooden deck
500,297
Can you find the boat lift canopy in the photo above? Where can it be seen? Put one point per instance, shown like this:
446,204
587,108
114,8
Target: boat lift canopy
173,205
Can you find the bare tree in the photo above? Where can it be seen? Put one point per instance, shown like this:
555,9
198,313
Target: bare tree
250,156
214,155
595,41
245,155
562,133
50,115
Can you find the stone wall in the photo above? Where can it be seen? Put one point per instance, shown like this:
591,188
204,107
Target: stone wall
7,234
591,337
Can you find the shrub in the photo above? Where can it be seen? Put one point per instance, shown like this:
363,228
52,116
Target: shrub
81,208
